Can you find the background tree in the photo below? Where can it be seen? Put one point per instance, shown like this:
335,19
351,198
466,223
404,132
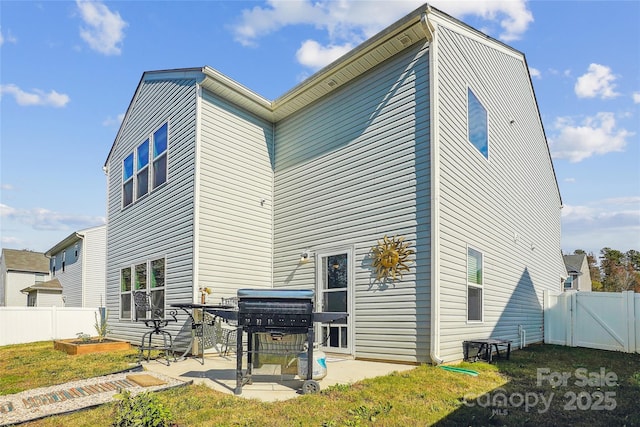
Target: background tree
620,271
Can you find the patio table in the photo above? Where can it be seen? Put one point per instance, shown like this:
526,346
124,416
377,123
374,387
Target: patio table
198,323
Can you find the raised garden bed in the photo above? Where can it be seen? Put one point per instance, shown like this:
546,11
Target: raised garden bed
75,346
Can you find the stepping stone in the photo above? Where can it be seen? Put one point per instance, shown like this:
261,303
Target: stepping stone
145,380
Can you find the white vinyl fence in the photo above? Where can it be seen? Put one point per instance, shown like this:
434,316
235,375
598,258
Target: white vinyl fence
603,320
30,324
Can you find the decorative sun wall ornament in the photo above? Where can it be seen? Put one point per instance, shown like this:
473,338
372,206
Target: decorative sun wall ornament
390,257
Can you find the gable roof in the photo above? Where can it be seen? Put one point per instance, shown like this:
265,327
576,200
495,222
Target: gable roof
418,25
574,262
50,285
26,261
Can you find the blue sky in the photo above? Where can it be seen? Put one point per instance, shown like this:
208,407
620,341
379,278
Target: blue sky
68,71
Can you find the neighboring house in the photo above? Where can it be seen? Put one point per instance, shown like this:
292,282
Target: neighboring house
20,269
579,277
44,294
78,264
429,130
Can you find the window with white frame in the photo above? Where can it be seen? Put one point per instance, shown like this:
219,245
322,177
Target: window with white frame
142,169
147,276
146,164
160,138
474,285
127,181
477,125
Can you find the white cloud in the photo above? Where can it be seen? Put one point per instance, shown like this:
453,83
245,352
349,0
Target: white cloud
110,121
636,97
36,97
597,82
513,17
8,38
535,73
10,241
104,29
613,223
348,23
7,187
44,219
596,135
570,180
313,55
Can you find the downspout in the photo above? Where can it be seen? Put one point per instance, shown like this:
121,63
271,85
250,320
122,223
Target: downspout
434,347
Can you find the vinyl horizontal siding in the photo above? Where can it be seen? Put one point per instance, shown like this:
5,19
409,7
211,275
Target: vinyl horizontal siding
507,207
351,168
70,277
161,223
234,199
93,275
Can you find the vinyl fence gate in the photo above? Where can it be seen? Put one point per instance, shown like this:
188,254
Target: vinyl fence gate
602,320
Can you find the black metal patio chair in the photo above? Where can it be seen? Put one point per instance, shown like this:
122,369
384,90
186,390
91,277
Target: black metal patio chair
229,327
156,318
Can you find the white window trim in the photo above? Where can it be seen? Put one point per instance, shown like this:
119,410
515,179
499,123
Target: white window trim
475,93
149,168
474,285
152,158
132,269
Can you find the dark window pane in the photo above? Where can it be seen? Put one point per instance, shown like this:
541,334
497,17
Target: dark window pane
157,273
477,121
143,154
474,303
157,302
127,170
125,306
160,141
335,301
125,280
159,171
141,276
337,271
127,193
143,183
343,337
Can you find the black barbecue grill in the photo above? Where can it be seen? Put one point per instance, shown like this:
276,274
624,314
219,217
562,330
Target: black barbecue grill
279,313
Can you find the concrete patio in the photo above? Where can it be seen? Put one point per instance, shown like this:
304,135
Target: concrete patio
269,383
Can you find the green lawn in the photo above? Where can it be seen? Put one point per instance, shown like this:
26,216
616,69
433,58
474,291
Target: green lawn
540,385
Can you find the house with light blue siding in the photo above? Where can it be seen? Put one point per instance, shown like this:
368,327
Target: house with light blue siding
78,263
428,133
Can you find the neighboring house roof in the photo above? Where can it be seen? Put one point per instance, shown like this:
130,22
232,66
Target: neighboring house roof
51,285
65,243
70,240
574,263
27,261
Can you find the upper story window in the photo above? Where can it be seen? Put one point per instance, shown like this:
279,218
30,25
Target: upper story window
142,169
160,156
127,181
478,130
149,162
